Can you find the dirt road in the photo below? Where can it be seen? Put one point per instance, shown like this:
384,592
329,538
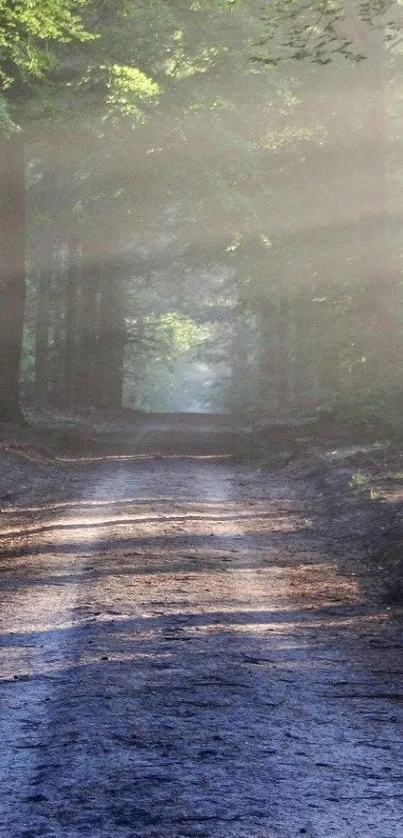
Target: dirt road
182,657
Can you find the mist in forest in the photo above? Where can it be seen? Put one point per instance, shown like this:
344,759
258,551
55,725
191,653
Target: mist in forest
223,237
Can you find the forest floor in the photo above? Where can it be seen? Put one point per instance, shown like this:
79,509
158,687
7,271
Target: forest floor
197,648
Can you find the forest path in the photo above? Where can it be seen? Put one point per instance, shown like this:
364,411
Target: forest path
182,656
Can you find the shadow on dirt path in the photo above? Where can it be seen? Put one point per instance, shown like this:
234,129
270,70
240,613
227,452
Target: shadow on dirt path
182,656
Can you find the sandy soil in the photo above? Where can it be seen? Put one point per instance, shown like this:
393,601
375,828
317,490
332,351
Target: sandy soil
191,647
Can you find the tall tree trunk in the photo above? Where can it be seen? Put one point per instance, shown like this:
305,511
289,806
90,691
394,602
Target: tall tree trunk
12,274
88,326
42,318
282,351
291,355
58,324
244,390
72,291
268,355
378,269
110,345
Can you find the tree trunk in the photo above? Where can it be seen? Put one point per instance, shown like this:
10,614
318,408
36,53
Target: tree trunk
282,352
72,290
268,355
291,359
378,269
244,389
110,346
42,318
57,336
88,325
12,274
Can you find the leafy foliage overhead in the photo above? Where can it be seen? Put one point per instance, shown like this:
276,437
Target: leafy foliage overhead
325,30
29,31
26,29
101,52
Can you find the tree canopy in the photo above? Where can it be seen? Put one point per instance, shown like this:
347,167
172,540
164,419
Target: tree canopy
323,31
29,30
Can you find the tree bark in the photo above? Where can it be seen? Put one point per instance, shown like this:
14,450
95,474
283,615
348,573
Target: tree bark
379,278
88,325
72,290
282,351
42,319
57,331
268,354
110,345
12,274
